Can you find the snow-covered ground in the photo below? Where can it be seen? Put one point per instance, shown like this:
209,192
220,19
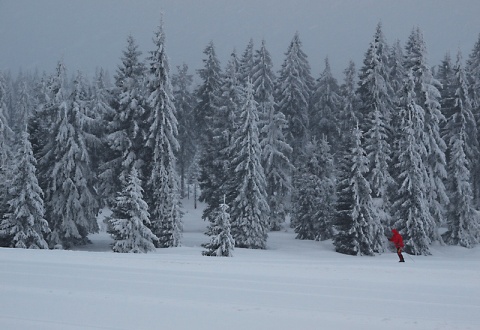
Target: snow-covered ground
291,285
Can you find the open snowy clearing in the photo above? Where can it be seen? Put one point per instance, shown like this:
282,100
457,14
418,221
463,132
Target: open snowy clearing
291,285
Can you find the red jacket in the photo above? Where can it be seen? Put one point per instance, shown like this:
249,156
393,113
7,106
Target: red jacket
397,239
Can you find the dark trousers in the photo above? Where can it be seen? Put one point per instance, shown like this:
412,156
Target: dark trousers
399,252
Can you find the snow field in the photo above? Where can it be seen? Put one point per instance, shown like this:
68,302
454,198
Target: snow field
291,285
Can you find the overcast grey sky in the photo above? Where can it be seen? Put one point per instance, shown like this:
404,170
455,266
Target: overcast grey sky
88,34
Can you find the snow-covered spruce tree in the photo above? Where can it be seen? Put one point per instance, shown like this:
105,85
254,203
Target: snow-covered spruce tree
24,226
396,70
162,185
313,196
224,125
397,77
463,219
51,98
277,166
41,98
376,108
184,103
427,96
71,203
325,108
473,75
215,151
446,76
411,211
374,86
193,174
293,92
92,124
204,117
325,212
221,242
378,151
23,107
305,195
263,80
275,150
100,109
359,231
130,219
249,206
125,131
348,115
246,64
207,93
6,135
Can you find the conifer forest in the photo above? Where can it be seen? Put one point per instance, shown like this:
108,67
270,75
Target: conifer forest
393,143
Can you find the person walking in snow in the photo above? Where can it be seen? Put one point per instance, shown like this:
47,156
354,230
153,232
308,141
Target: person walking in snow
397,239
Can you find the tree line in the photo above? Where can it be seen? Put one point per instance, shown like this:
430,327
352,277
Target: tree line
394,145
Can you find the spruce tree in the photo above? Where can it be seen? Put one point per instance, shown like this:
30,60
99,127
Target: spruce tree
130,219
249,207
463,219
162,185
184,103
207,94
91,125
446,76
6,138
473,75
204,116
246,64
225,124
216,181
101,111
24,226
36,120
126,133
221,242
263,79
52,99
325,108
359,231
411,211
193,176
306,195
277,166
427,96
375,89
325,212
376,108
348,113
313,197
293,92
396,71
71,203
276,152
397,77
23,107
230,97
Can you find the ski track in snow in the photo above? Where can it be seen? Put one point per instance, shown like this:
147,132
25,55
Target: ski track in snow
291,285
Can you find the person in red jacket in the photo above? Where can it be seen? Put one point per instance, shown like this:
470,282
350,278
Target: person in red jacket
397,239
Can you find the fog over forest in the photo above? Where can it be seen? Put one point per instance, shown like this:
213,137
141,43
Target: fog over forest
88,34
